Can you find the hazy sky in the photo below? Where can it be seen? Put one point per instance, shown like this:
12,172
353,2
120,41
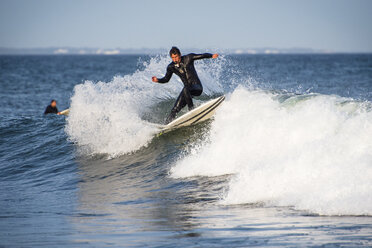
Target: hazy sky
337,25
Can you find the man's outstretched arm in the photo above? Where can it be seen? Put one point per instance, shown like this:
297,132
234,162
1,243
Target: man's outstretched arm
204,56
164,79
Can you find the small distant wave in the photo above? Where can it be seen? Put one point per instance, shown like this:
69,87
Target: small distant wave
312,152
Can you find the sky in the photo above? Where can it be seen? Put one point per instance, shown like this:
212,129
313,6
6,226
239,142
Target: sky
334,25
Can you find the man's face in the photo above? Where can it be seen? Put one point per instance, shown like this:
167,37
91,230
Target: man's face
176,58
53,104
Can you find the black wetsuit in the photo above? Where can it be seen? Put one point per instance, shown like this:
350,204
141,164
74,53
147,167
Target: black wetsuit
192,85
51,110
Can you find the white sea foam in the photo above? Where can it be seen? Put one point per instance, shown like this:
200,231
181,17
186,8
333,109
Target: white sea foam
107,117
313,152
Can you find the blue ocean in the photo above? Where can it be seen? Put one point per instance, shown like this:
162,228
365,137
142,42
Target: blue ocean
286,160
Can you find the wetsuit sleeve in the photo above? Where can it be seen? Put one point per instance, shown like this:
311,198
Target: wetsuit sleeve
167,76
201,56
46,111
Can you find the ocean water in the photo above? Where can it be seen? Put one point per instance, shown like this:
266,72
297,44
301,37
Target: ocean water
286,161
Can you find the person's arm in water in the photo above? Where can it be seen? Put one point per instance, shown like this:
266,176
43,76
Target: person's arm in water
164,79
203,56
47,110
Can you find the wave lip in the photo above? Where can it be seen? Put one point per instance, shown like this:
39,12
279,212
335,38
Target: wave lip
101,121
311,152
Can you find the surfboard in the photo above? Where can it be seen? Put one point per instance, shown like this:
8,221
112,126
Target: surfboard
65,112
195,116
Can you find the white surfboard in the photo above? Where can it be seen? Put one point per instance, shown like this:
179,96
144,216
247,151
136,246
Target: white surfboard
195,116
64,112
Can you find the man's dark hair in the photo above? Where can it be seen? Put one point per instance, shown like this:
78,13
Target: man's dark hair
53,101
174,50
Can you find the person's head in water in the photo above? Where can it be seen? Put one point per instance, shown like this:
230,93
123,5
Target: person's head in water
175,54
53,103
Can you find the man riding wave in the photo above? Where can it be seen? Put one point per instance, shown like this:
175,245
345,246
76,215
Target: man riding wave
183,66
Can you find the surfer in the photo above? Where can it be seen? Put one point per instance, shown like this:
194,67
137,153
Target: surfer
183,66
52,108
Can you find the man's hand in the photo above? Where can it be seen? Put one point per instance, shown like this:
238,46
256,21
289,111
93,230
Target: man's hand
155,79
215,56
59,113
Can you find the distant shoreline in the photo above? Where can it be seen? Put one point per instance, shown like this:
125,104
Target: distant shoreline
157,51
155,54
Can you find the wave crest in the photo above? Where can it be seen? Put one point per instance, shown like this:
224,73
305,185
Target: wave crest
312,152
109,117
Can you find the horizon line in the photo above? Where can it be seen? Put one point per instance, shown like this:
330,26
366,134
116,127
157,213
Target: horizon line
69,50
